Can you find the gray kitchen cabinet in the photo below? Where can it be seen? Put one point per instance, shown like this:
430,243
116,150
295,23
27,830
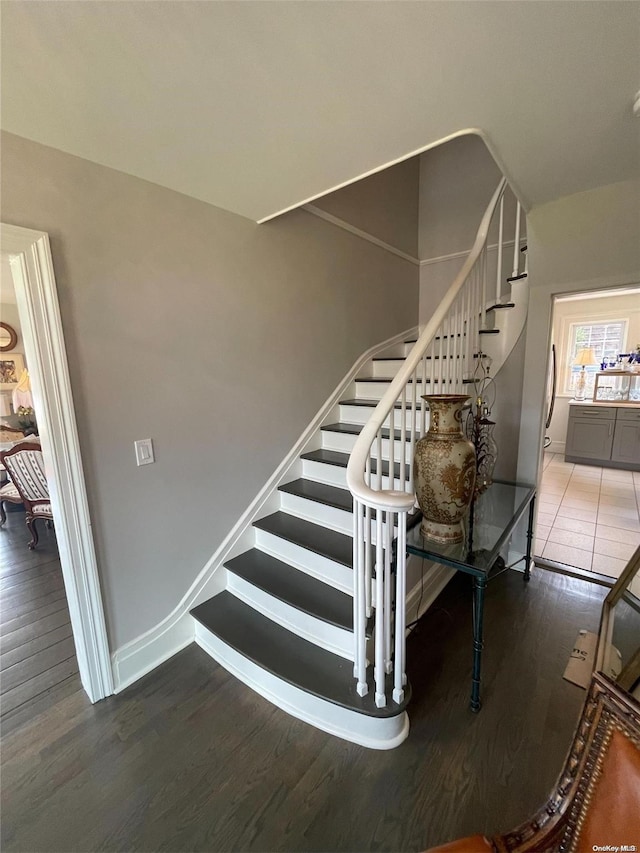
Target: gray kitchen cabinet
606,435
626,441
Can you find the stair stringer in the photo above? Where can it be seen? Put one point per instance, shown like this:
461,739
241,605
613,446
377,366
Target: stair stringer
136,658
510,322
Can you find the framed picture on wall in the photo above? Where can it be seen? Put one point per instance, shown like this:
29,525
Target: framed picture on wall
11,367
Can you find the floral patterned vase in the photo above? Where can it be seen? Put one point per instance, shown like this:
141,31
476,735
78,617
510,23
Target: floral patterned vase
444,470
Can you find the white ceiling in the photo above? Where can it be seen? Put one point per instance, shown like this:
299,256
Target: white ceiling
259,106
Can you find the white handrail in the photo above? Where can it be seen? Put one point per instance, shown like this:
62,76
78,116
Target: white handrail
390,499
447,345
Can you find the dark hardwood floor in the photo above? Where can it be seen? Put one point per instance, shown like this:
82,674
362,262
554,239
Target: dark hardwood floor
37,656
189,759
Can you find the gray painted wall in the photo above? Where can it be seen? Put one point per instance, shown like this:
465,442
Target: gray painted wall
457,181
581,242
384,205
217,337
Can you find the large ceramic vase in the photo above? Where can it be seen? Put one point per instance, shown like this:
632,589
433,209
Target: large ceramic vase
444,470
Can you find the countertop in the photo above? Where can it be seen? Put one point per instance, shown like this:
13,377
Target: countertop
618,404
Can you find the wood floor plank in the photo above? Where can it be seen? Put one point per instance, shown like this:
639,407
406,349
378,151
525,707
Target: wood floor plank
28,690
31,590
38,666
30,617
34,573
190,759
24,608
31,632
38,644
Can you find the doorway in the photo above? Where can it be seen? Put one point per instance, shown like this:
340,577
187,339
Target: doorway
589,496
29,256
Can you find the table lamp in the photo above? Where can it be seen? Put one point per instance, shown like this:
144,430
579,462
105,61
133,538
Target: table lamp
584,357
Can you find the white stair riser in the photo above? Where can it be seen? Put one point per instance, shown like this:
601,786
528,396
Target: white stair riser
318,513
361,414
376,390
339,641
372,732
328,516
307,561
334,475
386,369
344,443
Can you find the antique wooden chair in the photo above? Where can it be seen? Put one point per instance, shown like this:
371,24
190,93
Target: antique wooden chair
25,465
8,492
596,802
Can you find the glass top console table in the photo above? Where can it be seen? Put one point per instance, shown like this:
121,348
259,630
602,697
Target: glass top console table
491,521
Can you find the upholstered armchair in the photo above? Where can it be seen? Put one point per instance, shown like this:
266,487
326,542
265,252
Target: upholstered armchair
25,465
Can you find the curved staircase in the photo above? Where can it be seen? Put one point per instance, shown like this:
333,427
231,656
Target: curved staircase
284,624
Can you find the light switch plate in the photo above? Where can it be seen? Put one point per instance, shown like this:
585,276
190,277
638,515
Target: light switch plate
144,451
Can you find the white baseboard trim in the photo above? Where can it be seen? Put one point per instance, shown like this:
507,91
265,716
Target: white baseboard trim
135,659
371,732
139,656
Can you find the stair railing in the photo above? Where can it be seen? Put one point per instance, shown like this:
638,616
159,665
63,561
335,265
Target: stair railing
443,357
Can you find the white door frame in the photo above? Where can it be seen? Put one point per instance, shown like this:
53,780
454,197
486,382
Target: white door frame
29,255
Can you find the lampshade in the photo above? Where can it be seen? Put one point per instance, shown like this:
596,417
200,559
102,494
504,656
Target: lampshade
585,356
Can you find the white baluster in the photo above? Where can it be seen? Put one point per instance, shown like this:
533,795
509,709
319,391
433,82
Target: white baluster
379,457
483,303
367,546
516,244
392,450
412,422
367,564
359,620
387,592
379,674
403,436
438,389
399,679
500,248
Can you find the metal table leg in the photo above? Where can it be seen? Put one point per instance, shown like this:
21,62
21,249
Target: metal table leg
479,586
527,568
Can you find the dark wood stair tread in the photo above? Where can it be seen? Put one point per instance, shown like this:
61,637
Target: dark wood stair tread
501,305
294,587
320,493
314,537
518,277
370,402
335,457
289,657
345,428
489,332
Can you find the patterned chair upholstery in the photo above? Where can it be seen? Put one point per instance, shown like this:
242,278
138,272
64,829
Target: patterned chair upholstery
596,802
25,465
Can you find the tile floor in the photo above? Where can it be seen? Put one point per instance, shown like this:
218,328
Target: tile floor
588,517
